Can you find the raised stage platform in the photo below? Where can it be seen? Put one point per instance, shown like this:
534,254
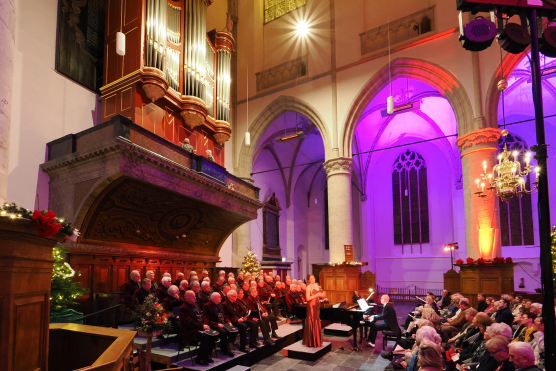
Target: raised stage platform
165,351
298,351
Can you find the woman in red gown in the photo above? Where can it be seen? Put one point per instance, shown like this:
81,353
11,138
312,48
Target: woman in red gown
312,334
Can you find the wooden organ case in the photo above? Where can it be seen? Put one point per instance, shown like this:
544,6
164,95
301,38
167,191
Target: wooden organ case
174,79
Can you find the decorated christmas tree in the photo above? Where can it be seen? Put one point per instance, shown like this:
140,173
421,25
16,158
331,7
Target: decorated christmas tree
250,263
64,291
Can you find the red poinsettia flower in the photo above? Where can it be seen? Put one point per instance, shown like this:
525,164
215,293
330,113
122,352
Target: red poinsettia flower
165,315
482,260
470,260
509,260
45,225
459,261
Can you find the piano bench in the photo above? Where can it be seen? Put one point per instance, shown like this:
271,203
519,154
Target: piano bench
387,335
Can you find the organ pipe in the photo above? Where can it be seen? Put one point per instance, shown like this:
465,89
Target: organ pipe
194,63
224,60
155,50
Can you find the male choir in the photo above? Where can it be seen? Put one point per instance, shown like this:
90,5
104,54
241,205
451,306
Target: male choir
229,307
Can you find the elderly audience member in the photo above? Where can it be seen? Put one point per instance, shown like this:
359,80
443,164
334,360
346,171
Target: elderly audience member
444,301
482,359
455,324
498,348
467,332
482,322
430,357
424,333
522,356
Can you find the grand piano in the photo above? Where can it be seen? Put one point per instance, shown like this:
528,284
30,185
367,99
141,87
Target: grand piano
350,315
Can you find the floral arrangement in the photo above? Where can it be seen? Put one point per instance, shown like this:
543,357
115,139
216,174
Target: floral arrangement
63,290
45,222
498,260
344,263
150,317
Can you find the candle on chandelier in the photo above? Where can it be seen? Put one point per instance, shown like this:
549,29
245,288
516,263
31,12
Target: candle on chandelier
527,158
515,153
482,187
499,159
485,166
477,181
537,172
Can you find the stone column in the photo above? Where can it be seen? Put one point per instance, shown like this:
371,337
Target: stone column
482,220
340,215
241,241
7,45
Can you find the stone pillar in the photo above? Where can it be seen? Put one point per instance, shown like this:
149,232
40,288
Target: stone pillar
482,220
7,45
340,215
241,242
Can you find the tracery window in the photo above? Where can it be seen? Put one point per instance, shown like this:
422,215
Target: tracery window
410,201
276,8
516,216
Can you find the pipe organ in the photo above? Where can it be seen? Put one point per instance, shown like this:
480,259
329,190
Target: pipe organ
174,79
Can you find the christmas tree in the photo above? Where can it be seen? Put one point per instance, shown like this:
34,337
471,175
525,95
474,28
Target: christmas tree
250,263
64,291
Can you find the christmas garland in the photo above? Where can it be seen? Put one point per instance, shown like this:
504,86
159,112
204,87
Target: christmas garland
471,261
345,263
45,222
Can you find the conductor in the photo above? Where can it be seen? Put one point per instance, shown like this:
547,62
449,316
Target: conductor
390,322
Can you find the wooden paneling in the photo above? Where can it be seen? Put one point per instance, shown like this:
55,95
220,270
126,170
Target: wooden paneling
452,281
339,282
29,319
489,279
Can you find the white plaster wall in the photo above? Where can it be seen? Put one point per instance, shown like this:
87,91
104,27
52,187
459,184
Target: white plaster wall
46,105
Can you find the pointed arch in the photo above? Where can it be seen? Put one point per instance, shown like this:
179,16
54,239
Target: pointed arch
434,75
272,111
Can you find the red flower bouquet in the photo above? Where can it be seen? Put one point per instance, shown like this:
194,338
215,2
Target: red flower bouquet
481,261
470,260
509,260
46,224
459,261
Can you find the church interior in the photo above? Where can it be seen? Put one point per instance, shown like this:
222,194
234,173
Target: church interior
257,184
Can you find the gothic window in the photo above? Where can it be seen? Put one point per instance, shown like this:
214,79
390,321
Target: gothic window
410,201
276,8
516,216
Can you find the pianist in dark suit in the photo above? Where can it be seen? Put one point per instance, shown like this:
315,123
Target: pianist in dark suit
356,297
390,322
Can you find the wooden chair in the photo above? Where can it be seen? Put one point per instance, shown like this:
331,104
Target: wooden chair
137,360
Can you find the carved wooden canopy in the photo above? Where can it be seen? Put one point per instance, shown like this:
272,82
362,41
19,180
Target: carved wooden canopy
133,212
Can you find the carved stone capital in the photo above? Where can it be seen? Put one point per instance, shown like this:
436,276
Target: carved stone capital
340,165
478,138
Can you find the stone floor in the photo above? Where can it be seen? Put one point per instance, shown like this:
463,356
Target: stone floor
341,358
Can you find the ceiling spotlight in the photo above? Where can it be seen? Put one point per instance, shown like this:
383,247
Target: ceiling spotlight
302,29
514,38
478,34
547,44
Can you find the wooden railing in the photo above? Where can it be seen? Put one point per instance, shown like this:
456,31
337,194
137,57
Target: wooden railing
87,348
407,293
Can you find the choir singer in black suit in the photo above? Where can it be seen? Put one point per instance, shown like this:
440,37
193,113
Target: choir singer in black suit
192,327
390,322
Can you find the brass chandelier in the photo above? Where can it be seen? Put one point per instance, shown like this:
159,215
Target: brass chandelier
507,178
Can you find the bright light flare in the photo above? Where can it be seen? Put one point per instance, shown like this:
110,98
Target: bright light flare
302,28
